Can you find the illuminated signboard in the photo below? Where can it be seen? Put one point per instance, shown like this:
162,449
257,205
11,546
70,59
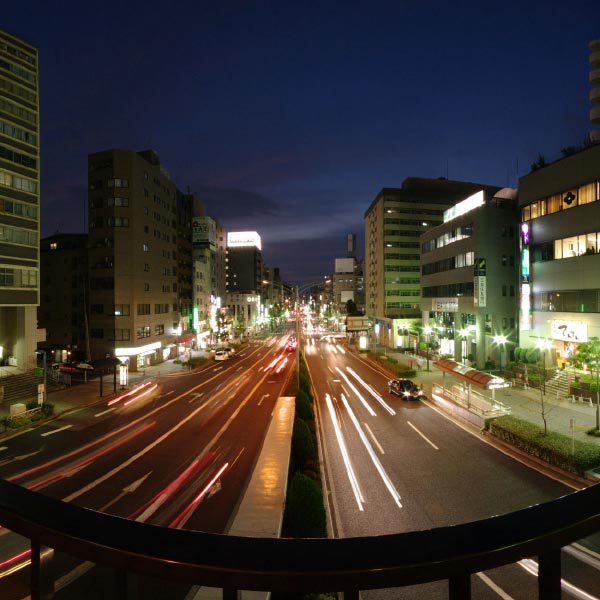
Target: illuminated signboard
241,239
474,201
525,288
480,299
568,331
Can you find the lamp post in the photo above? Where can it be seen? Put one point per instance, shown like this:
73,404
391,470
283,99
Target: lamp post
43,353
427,331
464,334
544,345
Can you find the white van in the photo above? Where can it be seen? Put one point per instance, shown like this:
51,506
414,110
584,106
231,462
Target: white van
221,355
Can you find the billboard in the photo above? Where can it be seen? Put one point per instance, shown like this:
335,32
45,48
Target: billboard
204,230
241,239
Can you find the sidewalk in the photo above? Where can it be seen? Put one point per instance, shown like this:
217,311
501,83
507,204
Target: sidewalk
525,404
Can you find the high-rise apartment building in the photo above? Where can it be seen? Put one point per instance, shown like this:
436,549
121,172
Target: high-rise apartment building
393,224
134,258
19,200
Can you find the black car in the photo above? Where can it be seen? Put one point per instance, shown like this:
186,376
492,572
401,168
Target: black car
405,388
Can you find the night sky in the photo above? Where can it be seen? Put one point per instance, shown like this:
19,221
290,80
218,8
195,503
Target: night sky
289,117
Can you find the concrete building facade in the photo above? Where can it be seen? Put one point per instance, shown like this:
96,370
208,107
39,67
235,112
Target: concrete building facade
560,254
394,222
469,279
19,201
133,256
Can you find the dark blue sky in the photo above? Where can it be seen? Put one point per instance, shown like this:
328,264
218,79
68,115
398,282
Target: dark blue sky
288,117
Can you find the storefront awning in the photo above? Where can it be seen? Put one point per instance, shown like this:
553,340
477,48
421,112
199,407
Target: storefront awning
485,381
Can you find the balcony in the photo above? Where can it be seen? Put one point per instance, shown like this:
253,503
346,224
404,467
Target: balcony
348,565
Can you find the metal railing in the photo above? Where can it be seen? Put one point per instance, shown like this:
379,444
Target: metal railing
349,565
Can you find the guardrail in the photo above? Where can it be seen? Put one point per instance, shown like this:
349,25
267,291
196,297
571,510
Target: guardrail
25,414
475,403
232,563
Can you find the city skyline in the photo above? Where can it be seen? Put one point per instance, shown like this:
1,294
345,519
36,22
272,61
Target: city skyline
289,120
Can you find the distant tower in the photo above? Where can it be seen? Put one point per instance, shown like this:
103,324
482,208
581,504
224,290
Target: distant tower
595,91
351,245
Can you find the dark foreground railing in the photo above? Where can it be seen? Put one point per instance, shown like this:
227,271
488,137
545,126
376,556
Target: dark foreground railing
299,565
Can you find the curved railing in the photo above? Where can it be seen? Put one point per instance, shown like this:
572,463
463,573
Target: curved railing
300,565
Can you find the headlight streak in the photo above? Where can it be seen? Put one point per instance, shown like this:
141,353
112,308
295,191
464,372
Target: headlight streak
281,365
129,393
531,566
340,439
179,521
384,476
358,394
371,391
88,459
332,348
151,506
145,393
15,568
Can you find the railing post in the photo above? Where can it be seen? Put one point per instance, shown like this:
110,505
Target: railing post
351,595
41,577
549,572
459,587
230,594
126,585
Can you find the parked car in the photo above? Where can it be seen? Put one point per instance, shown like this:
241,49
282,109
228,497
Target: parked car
229,350
406,389
221,355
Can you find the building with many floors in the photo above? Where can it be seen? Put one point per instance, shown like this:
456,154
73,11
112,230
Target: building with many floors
19,201
394,222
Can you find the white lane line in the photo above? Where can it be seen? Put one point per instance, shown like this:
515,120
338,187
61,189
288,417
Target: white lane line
384,476
56,430
374,438
531,566
423,436
346,457
104,412
3,448
494,587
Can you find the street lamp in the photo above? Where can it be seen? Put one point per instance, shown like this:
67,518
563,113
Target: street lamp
427,331
544,345
500,340
464,334
43,397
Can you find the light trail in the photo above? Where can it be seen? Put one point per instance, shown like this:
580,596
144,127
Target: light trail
371,391
384,476
181,519
144,393
358,394
347,462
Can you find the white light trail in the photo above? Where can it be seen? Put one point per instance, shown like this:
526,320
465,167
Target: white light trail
340,439
358,394
371,391
384,476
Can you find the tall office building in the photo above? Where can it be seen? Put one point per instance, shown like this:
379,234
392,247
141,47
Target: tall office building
19,201
134,256
393,224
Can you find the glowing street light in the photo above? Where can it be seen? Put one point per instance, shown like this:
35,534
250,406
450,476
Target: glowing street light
427,331
500,340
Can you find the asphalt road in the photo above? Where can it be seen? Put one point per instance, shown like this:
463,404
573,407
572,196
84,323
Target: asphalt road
178,453
394,465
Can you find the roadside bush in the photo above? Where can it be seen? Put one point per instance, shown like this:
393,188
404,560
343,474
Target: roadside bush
304,512
303,447
554,448
304,408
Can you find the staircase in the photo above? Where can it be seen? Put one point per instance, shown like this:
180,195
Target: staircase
558,384
23,387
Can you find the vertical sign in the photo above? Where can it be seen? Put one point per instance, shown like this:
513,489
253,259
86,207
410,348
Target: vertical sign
480,285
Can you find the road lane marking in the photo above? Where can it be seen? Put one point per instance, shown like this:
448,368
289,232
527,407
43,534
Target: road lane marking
132,487
384,476
104,412
56,430
374,439
346,457
494,587
423,436
3,448
262,398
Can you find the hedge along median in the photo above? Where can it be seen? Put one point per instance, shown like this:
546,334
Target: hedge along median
554,448
304,514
